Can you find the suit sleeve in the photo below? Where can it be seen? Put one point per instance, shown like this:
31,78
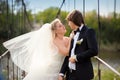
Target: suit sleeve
64,66
92,46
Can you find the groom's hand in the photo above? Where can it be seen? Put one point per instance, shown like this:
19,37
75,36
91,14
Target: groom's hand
60,78
73,59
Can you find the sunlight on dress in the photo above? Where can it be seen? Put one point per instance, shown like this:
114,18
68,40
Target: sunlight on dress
36,54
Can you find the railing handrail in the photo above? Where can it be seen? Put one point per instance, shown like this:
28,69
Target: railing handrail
4,54
96,57
107,65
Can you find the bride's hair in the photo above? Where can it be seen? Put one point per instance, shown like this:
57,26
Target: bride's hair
53,24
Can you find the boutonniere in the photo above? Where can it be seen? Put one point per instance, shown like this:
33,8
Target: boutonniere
79,41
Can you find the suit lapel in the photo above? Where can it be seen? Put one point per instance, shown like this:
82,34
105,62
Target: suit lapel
83,30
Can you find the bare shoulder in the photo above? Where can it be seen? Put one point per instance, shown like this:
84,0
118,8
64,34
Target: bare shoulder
67,38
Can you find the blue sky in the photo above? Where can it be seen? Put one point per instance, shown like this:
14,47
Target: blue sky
106,6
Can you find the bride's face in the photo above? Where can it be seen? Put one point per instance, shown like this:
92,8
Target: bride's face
60,28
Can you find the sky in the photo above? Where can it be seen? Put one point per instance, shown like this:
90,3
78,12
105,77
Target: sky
106,6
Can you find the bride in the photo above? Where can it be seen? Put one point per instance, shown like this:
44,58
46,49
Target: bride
40,53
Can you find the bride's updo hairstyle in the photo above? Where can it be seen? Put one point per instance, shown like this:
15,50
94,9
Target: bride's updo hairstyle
53,23
53,26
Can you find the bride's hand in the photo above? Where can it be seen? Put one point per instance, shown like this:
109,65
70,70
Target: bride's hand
71,34
60,78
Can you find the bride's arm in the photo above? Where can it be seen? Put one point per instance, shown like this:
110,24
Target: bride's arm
65,50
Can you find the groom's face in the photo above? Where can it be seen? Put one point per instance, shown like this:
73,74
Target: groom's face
72,25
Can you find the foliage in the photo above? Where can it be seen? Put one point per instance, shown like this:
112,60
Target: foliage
49,15
108,31
107,74
13,23
91,19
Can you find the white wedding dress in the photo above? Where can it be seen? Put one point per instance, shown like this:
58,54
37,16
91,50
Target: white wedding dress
36,54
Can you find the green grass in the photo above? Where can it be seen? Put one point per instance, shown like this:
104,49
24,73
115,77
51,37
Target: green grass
106,74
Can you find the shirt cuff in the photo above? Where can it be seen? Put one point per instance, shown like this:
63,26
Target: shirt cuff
61,74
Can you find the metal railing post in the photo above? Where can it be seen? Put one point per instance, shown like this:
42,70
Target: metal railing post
108,66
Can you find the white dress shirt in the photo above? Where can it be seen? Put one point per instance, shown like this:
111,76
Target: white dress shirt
72,65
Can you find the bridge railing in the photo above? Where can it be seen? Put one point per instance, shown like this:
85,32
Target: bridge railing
12,72
100,61
9,71
16,20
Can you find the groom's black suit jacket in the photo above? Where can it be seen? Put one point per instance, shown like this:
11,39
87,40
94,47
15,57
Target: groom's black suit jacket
84,51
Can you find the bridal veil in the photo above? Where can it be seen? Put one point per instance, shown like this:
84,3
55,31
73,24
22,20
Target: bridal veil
32,50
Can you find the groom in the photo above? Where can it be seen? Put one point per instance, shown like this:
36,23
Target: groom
78,66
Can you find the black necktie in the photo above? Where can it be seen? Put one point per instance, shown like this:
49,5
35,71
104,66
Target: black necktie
76,31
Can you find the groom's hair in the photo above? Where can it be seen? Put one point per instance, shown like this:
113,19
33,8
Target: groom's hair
76,17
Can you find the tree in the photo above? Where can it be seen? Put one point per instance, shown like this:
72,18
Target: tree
49,15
